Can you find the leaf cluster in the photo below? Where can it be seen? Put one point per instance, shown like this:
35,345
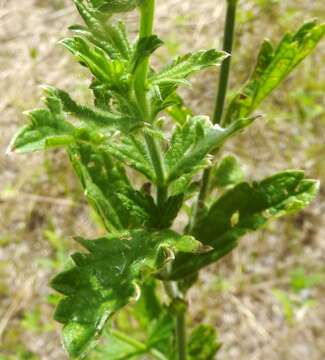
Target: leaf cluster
117,137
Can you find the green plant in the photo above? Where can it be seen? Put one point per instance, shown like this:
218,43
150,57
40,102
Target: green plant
123,135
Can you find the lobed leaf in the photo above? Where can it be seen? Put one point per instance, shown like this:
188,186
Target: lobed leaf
47,128
112,39
163,84
93,117
109,191
105,280
273,66
246,207
132,152
192,142
186,65
108,71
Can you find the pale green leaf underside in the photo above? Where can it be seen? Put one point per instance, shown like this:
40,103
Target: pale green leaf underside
106,279
273,66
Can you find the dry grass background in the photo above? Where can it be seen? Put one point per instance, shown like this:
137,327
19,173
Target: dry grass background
41,205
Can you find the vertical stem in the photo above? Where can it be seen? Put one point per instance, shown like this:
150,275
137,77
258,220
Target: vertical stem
147,10
181,335
228,41
229,31
140,85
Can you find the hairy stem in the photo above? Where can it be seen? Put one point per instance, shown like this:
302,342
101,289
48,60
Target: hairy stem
147,10
229,31
140,84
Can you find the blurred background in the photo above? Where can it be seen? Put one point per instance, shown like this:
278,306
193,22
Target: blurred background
267,299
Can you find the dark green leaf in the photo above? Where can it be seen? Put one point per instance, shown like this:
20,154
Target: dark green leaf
106,279
109,191
273,66
248,207
244,208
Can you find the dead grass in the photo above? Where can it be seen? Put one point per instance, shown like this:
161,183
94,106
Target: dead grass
38,193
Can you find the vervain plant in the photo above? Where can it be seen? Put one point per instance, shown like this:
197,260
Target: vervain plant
122,135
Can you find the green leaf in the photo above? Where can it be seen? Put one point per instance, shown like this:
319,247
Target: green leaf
203,343
132,152
273,66
112,39
246,207
105,280
109,191
144,48
228,172
192,142
95,118
108,71
163,84
115,6
47,128
186,65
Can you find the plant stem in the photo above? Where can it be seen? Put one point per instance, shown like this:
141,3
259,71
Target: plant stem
228,41
181,335
179,307
140,84
147,10
229,31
